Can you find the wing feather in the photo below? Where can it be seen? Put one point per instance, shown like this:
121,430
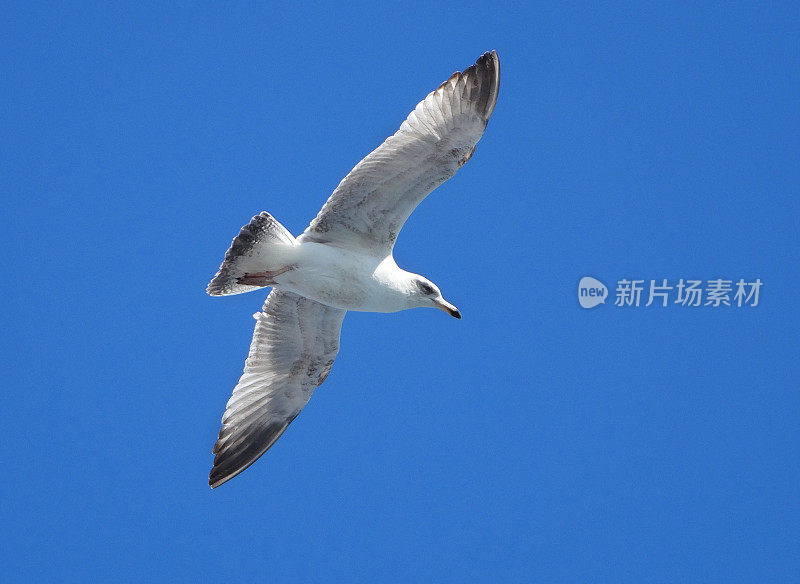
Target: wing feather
294,345
371,204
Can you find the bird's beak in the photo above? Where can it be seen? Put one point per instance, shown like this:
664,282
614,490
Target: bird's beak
443,304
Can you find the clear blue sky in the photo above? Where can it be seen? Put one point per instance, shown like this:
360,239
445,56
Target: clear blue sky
533,441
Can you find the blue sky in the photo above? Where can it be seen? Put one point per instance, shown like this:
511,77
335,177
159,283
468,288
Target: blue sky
533,441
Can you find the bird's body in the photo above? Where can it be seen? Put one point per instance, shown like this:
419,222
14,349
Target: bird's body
342,261
346,279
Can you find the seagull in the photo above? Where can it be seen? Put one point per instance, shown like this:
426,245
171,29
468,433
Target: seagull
342,261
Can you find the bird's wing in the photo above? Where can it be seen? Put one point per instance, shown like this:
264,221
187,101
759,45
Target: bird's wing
294,344
368,208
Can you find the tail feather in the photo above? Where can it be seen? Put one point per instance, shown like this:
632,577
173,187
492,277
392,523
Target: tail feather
256,255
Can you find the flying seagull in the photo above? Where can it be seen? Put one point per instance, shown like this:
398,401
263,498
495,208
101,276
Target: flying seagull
342,261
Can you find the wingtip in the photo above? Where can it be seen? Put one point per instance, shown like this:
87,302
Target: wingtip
490,57
213,483
489,66
233,459
496,62
217,477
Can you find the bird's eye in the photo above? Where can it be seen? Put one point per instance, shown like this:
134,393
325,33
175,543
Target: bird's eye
425,288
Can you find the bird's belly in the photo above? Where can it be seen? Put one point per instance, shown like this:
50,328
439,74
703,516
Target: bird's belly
338,279
341,291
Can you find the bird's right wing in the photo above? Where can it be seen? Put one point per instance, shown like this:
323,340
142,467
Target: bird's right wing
371,204
294,344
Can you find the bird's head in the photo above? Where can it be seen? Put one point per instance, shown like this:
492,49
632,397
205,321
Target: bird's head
426,293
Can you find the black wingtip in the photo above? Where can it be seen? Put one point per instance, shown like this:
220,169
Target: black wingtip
233,458
489,66
483,83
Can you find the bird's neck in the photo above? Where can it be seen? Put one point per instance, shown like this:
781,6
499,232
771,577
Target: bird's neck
392,276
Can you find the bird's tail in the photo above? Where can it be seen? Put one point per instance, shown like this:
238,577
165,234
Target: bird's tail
260,252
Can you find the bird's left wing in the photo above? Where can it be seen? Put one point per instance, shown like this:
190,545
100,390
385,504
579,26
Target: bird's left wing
294,344
370,205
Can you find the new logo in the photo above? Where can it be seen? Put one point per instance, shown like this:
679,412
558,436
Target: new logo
591,292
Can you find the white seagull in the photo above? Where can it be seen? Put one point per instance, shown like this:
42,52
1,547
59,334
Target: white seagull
342,261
